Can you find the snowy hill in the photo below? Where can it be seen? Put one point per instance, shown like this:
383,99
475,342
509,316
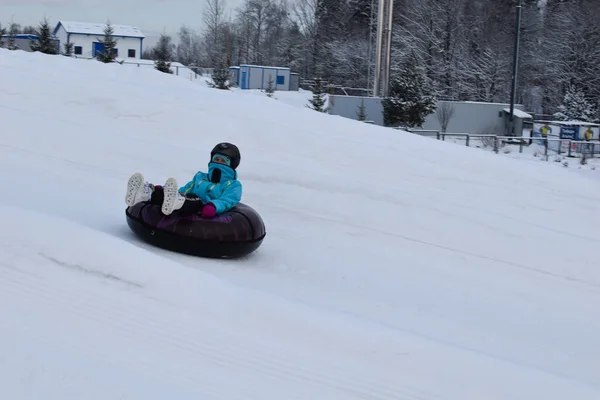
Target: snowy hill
394,267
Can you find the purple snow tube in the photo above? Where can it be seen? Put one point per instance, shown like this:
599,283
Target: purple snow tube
231,234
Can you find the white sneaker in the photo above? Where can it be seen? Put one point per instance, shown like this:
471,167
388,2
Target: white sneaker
137,190
173,199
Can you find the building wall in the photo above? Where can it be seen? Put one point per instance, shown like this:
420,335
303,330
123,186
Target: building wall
85,41
472,117
348,106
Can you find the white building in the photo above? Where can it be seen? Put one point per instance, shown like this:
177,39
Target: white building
86,39
257,77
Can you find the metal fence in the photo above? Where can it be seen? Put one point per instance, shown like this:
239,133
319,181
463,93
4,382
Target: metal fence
568,147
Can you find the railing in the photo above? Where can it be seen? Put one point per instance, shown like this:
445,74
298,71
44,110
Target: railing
569,147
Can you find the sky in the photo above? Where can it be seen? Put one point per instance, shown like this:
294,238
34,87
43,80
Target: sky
153,17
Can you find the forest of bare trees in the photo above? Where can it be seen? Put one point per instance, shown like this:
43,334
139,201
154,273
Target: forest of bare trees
463,47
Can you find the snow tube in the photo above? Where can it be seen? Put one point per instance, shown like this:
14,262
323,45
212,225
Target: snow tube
231,234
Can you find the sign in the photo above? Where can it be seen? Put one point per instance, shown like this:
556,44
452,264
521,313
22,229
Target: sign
569,132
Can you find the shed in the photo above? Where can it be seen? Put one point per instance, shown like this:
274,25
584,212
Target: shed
258,76
86,37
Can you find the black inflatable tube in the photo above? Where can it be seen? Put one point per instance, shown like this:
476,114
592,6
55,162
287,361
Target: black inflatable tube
191,246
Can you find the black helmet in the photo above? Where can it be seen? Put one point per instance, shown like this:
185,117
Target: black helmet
229,150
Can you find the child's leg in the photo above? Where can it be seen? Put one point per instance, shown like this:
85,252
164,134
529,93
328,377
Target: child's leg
137,190
173,200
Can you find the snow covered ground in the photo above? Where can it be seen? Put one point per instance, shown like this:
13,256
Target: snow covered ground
395,266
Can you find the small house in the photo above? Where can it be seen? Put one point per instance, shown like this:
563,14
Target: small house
258,77
86,38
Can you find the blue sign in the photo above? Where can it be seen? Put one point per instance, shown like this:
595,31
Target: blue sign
569,132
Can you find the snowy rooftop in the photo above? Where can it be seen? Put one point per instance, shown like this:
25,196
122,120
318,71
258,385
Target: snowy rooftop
92,28
519,113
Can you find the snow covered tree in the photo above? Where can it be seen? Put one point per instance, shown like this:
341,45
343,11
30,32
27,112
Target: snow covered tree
410,99
576,107
317,102
220,78
163,54
110,44
45,44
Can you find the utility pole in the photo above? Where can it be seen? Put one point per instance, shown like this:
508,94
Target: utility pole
384,48
513,92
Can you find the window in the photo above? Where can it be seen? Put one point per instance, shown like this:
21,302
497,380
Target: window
131,53
78,50
281,80
115,52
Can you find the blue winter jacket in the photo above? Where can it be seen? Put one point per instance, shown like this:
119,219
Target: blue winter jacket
223,195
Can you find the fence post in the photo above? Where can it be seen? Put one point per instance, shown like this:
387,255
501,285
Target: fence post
438,135
496,144
468,139
521,145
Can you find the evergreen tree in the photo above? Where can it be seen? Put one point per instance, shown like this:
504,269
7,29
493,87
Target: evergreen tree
361,114
220,77
163,54
576,107
110,44
45,44
13,31
270,89
410,98
2,33
68,49
318,100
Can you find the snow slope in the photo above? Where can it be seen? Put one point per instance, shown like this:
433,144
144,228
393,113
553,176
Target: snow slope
395,266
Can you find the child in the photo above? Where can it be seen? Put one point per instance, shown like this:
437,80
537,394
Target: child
208,193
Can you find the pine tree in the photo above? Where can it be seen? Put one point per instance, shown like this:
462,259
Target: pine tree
576,107
318,100
220,77
45,44
163,54
410,99
110,44
270,89
2,33
13,31
68,49
361,114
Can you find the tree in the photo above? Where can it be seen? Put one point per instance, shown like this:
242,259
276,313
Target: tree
2,33
270,89
68,49
45,44
13,31
220,78
163,54
361,114
444,113
317,102
410,99
110,43
576,107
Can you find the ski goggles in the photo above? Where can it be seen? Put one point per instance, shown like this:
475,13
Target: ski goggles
222,159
